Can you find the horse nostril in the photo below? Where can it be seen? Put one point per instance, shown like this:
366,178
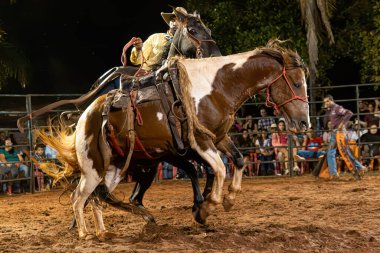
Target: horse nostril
303,125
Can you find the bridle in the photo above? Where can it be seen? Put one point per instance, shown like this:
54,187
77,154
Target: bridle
275,106
196,42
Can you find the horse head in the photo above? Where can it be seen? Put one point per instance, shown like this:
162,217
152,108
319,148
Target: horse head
287,93
192,38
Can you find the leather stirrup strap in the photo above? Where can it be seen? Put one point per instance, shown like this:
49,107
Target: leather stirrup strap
131,133
169,114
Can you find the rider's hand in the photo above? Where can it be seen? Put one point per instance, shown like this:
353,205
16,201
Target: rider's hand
138,43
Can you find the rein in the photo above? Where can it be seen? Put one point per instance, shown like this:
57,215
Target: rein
276,107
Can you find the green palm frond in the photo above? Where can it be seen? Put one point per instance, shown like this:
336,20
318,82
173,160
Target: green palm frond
316,15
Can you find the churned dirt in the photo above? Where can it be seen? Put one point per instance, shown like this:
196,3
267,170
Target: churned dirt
298,214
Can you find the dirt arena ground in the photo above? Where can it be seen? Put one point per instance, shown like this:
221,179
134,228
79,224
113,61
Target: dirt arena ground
299,214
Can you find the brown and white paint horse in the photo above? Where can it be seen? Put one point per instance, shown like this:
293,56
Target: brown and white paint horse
214,89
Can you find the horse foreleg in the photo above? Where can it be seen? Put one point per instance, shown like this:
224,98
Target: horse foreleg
101,233
210,154
188,167
144,179
86,186
227,146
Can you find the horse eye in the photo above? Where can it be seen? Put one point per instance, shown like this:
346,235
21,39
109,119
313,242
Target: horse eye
192,31
297,85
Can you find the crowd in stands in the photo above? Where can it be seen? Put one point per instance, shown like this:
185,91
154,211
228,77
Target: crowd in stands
15,163
261,137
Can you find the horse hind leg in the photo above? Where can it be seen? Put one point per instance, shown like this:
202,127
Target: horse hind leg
85,187
101,233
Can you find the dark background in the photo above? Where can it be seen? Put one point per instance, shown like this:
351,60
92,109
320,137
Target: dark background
71,43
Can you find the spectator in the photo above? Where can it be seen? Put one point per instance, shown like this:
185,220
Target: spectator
245,144
39,156
2,138
363,109
339,117
265,121
377,108
249,124
280,143
370,118
360,127
167,170
266,154
371,149
12,165
327,134
312,146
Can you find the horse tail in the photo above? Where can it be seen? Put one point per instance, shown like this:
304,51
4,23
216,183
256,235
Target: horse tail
62,139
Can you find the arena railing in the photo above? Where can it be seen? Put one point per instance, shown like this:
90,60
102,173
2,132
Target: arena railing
17,106
359,94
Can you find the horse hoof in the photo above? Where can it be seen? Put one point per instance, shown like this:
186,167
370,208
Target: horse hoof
199,214
228,203
105,235
86,237
150,219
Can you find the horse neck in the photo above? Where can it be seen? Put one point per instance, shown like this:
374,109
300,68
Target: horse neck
241,81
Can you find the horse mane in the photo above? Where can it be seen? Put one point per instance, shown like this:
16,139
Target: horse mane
193,122
285,56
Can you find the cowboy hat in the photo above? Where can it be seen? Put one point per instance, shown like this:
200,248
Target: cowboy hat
168,16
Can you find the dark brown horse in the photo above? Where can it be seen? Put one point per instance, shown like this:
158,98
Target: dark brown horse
213,90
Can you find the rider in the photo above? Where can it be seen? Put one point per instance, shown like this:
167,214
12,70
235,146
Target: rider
153,51
150,53
338,116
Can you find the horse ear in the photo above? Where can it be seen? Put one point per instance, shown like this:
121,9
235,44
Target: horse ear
197,15
180,13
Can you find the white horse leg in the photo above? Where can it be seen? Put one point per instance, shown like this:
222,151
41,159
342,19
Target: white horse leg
86,186
101,233
235,187
212,157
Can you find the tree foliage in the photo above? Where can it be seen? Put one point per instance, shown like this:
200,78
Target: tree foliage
245,24
13,64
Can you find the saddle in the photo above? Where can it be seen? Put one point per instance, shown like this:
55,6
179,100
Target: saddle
135,90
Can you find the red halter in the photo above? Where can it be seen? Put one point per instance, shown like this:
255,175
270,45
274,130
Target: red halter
276,107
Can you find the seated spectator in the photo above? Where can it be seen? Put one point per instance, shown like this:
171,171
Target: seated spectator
377,108
39,156
244,143
249,124
12,166
265,121
370,118
363,109
2,138
280,143
372,149
311,147
360,127
266,154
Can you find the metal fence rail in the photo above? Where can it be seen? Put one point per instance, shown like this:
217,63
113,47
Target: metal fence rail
16,106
